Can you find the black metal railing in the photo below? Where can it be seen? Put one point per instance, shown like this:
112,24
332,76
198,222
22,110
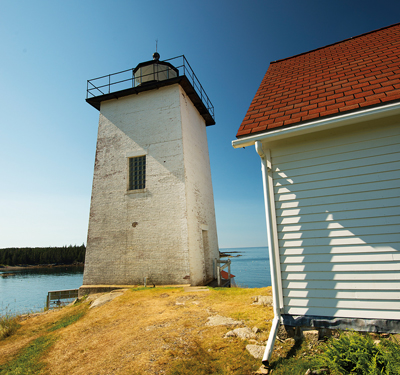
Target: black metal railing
126,79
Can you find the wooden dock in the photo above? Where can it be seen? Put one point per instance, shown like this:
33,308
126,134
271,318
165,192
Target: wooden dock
55,297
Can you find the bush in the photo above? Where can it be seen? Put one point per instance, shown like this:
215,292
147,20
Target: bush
354,353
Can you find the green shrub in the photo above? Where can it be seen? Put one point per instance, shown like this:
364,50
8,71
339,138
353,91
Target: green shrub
354,353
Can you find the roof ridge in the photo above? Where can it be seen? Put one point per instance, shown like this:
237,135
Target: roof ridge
332,44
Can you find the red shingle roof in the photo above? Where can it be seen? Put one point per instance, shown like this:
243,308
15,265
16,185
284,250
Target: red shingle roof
350,75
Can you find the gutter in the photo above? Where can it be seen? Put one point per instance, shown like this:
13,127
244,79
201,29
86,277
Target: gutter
274,265
322,124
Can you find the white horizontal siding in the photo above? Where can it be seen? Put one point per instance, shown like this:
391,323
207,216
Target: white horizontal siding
335,176
329,164
342,267
374,222
353,197
342,304
337,198
341,215
333,232
310,250
338,189
324,294
341,173
340,207
369,276
330,146
352,240
348,258
338,285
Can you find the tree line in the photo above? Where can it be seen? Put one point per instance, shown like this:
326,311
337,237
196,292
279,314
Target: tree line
42,255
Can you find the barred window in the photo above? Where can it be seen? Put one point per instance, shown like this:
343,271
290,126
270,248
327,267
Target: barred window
137,173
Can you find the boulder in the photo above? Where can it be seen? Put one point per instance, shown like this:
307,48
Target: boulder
218,320
243,333
256,351
263,300
311,336
104,298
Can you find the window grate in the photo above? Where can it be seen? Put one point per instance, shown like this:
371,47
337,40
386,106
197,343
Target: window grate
137,173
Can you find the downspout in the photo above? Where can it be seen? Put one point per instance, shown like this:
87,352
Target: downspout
266,168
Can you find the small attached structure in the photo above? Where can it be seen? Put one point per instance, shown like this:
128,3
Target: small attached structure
326,125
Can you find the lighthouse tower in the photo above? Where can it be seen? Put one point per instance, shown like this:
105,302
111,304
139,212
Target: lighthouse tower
152,208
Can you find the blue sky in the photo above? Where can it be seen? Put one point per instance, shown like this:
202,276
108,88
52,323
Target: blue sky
49,49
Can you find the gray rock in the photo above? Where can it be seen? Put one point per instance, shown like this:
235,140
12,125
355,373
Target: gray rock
285,332
256,351
230,334
263,300
243,333
218,320
311,336
262,370
104,298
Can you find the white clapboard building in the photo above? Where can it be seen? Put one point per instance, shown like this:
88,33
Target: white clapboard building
152,217
326,125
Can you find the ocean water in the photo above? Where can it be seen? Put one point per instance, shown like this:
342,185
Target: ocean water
27,290
251,267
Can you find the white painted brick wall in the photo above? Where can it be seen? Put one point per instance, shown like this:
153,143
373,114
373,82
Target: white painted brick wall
200,199
161,247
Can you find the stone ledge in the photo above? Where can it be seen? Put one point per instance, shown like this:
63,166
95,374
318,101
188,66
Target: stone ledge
92,289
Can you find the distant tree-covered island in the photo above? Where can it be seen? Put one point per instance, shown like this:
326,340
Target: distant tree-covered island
34,256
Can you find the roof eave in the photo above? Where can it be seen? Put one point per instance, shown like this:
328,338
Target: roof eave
321,124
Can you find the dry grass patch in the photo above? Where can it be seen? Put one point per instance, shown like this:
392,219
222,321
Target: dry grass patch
131,336
27,340
31,327
237,304
146,331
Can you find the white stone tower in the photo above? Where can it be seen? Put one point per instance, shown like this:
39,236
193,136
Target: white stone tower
152,208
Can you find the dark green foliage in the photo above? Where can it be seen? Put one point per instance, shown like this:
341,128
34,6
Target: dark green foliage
354,353
292,366
42,255
296,361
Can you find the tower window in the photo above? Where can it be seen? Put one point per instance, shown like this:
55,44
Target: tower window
137,172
